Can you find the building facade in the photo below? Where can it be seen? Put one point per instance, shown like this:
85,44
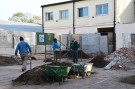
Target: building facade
88,16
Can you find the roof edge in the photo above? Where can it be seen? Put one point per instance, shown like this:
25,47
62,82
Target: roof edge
65,2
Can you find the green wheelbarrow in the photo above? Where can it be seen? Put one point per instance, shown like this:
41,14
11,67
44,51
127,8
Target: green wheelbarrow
60,72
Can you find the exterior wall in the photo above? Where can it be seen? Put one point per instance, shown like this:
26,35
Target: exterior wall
93,19
84,23
56,23
125,11
123,31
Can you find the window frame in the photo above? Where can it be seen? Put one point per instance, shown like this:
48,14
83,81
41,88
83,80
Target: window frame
47,16
66,17
102,9
83,12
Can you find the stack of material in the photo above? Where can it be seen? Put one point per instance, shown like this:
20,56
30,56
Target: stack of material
123,58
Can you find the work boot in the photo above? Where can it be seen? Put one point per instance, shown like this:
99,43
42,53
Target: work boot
23,70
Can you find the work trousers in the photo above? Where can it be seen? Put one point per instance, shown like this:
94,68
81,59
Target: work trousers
56,55
24,59
75,56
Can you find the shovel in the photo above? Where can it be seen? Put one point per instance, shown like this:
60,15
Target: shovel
30,62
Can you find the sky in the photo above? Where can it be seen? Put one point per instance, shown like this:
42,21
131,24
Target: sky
9,7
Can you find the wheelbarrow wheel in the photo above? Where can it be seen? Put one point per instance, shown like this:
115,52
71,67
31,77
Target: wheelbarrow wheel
83,75
61,80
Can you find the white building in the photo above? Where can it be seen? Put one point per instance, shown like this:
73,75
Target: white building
90,16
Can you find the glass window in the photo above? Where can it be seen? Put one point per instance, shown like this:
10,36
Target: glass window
83,12
49,16
64,14
102,9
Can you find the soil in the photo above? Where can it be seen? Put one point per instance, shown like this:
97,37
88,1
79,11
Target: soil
129,79
6,61
38,76
35,76
81,54
98,60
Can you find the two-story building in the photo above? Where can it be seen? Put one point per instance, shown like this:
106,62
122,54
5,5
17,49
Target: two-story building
107,17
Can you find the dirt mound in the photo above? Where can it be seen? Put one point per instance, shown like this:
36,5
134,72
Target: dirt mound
60,64
37,75
7,60
129,80
81,54
98,59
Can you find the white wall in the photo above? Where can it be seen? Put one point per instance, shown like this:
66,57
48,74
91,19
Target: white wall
98,19
85,23
125,11
56,23
123,29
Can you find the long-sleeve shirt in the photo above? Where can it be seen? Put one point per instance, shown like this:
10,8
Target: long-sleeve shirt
74,45
55,46
22,47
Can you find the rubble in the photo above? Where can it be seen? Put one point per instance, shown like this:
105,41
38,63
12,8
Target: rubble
124,58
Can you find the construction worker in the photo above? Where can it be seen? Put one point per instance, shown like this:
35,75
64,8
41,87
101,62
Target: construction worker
24,49
56,49
74,47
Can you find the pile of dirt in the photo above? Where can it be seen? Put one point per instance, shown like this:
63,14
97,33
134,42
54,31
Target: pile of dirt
8,60
129,80
35,76
98,59
38,75
60,64
81,54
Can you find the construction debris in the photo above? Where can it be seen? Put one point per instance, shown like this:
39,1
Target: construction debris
124,58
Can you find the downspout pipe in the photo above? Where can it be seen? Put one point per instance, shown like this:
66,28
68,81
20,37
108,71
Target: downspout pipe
73,17
42,20
114,24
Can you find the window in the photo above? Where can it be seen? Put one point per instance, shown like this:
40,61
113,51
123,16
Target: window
83,12
102,9
49,16
64,14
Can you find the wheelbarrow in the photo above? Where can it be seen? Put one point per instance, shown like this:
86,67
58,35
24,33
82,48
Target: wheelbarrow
83,69
57,71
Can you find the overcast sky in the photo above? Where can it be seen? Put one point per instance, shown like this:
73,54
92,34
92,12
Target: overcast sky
9,7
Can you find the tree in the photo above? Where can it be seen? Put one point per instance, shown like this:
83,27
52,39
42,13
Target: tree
19,14
27,18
